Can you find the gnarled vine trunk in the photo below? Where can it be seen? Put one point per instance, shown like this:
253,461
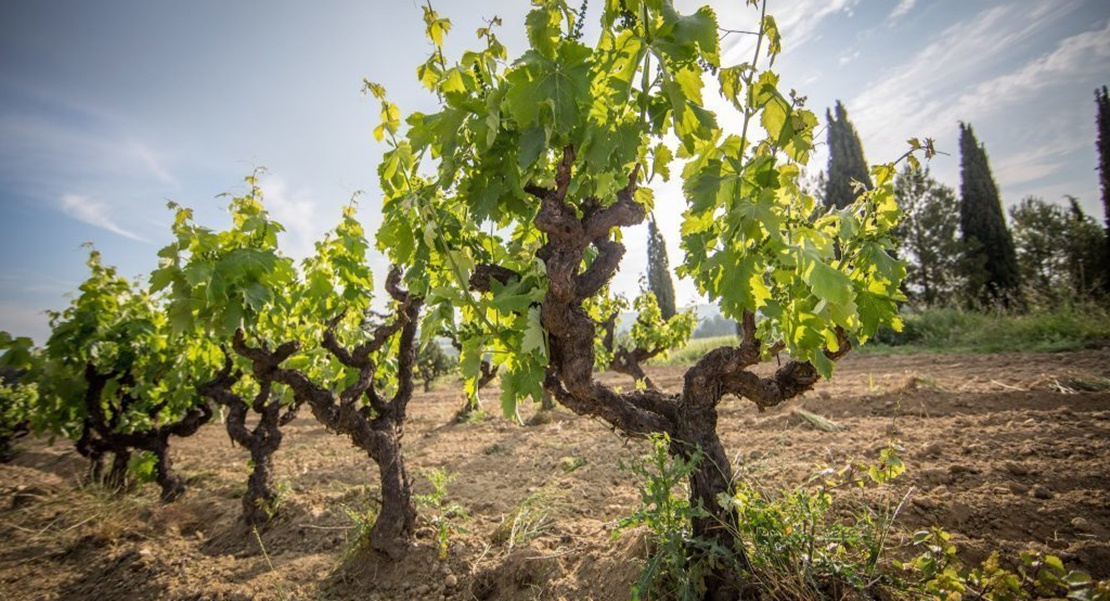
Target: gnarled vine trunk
100,437
473,405
373,423
260,501
396,521
690,417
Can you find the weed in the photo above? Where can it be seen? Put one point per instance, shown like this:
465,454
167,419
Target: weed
528,521
677,563
570,464
474,416
92,513
800,544
1045,329
282,490
277,583
142,467
938,573
497,449
788,543
439,478
362,520
443,517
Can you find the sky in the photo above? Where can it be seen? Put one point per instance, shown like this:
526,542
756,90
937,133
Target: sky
110,109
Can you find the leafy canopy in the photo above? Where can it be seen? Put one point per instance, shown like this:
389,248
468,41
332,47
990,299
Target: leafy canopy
457,181
116,329
223,281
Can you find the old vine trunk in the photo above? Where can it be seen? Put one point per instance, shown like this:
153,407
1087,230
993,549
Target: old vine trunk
373,423
689,418
260,501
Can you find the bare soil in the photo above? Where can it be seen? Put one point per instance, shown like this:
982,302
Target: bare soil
1007,451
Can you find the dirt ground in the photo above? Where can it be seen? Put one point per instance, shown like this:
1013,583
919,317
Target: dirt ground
1008,452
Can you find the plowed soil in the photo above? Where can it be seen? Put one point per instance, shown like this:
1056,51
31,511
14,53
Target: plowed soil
1007,451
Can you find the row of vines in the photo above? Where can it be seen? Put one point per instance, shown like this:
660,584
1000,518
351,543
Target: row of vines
502,216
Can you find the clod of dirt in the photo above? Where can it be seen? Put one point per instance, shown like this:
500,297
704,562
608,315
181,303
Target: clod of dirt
1081,524
931,477
933,449
1042,493
960,513
959,468
925,503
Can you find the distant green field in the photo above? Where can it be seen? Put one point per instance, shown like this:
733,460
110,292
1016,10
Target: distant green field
695,350
1067,328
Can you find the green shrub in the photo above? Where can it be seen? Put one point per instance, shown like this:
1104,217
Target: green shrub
804,544
939,574
678,563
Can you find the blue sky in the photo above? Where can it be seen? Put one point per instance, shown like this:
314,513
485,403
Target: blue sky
108,109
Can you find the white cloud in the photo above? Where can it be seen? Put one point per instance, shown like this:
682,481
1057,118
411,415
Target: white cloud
96,214
847,58
798,23
938,86
27,281
149,158
1084,53
903,8
1038,161
37,146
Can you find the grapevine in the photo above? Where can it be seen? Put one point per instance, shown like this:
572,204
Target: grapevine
550,155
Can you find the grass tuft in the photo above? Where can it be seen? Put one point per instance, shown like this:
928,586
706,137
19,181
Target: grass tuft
528,521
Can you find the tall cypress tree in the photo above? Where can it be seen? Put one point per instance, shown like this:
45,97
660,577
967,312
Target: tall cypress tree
993,275
846,162
1102,100
659,271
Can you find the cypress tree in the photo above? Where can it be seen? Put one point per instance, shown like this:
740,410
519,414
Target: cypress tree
992,269
846,162
1102,100
659,271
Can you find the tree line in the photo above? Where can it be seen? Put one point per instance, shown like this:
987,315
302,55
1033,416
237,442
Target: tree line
959,247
